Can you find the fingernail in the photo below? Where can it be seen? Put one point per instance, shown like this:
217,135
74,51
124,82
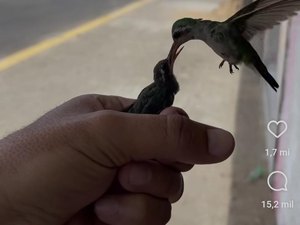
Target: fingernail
106,208
140,175
220,142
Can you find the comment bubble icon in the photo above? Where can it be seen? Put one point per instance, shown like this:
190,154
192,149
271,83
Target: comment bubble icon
281,181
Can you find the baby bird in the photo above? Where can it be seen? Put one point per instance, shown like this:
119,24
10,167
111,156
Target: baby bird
161,93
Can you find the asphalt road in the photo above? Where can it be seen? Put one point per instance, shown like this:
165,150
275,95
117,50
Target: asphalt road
25,22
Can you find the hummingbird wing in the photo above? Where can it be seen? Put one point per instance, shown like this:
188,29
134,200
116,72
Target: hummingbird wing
263,14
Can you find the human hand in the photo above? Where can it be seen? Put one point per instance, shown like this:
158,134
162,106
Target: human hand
56,170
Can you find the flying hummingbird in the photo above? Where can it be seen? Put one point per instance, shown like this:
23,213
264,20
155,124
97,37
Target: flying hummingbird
230,39
161,93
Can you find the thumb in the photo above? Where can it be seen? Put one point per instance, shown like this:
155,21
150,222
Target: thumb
123,137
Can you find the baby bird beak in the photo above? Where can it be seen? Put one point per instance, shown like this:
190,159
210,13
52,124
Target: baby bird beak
173,54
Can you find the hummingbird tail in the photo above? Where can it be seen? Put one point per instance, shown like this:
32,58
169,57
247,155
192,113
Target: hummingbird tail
262,69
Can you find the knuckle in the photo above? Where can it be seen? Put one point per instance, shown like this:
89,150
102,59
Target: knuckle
89,101
86,98
177,130
98,122
148,206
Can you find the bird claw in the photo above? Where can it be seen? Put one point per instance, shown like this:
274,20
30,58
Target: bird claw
231,69
221,64
230,66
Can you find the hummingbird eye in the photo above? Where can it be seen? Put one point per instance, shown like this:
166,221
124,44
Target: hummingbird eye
176,34
180,32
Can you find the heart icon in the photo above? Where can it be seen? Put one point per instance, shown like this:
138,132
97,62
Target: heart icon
277,123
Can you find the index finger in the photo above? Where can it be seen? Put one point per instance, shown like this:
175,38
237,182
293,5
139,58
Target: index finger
90,103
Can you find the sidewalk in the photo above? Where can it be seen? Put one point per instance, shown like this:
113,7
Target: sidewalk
118,59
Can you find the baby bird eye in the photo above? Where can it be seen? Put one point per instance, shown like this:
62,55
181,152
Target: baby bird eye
163,69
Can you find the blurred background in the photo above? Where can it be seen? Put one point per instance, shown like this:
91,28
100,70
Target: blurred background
54,50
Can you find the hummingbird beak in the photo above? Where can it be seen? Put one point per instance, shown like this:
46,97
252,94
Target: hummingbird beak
174,54
178,53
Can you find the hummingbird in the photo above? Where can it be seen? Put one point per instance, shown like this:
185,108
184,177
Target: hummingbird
160,94
230,38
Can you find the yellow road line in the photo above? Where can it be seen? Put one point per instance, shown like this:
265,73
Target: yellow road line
42,46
